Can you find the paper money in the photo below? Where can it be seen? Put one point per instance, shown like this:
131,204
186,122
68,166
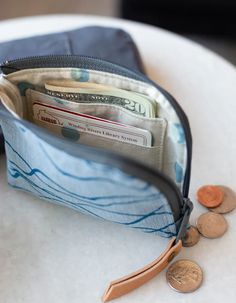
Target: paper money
98,93
109,112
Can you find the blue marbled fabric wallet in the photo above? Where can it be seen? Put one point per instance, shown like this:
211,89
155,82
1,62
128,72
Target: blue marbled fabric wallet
142,187
145,188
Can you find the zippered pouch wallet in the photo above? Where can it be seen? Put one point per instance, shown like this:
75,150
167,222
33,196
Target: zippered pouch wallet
108,43
102,139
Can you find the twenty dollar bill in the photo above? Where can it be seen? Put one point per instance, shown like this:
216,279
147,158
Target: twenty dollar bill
87,92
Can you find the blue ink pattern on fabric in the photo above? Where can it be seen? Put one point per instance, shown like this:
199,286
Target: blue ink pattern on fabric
81,75
178,173
180,133
70,133
23,86
97,189
22,129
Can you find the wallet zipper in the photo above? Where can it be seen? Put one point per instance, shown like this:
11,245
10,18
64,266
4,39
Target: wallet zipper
183,204
87,62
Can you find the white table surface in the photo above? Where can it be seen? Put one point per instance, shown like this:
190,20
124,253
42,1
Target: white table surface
52,254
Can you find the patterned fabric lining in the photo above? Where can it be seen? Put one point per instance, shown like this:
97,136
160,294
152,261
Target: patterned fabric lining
89,187
92,188
175,151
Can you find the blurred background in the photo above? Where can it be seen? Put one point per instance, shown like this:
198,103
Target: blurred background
209,22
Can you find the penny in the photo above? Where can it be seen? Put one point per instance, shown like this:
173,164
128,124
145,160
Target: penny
229,201
184,276
212,225
210,195
191,238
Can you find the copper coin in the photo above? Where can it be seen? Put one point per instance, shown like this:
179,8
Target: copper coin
212,225
191,238
229,201
210,195
184,276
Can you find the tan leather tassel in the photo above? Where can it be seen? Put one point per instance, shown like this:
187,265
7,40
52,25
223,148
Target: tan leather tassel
130,282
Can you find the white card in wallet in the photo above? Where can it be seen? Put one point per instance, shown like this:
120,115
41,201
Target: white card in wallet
50,115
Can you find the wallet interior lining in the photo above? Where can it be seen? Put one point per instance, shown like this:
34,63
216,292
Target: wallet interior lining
174,145
148,155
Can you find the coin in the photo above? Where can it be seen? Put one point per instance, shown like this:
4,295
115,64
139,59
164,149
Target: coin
192,237
229,201
184,276
210,195
212,225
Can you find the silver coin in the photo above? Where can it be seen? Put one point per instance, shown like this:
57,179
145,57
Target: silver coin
212,225
229,201
191,238
184,276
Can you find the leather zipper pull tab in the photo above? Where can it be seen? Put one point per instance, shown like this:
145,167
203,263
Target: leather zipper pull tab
130,282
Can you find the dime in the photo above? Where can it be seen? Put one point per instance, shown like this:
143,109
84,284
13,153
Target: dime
184,276
212,225
192,237
210,195
229,201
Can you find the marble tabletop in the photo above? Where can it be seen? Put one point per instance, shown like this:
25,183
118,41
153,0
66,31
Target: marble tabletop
49,253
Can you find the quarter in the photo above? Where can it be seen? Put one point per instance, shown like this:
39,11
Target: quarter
184,276
212,225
